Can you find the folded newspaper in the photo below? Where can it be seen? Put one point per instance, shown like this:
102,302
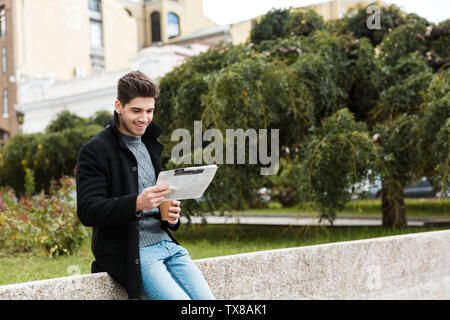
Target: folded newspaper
187,183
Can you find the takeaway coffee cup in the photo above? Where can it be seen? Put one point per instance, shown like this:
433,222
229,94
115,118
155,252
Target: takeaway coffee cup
164,209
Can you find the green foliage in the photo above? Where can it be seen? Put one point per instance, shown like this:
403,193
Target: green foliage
364,84
49,155
337,156
281,23
101,118
32,162
43,221
404,84
287,50
441,147
302,22
441,45
181,90
435,125
327,90
262,92
283,188
401,41
272,26
65,120
401,155
183,93
29,181
355,23
322,70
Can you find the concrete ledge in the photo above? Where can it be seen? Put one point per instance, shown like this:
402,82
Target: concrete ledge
412,266
301,221
97,286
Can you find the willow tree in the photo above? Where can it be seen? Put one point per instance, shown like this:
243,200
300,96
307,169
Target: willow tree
404,78
292,84
349,107
396,95
434,143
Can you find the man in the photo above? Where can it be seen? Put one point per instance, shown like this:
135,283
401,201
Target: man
116,195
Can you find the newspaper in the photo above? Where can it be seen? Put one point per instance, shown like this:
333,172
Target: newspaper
187,183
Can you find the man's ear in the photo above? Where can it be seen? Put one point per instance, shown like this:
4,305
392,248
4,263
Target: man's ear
118,106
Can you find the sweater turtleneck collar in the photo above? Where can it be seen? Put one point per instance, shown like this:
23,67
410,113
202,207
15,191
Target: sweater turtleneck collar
130,139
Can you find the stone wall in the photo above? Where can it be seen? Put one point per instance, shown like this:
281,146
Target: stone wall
412,266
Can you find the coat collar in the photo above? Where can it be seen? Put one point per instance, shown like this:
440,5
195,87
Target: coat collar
150,136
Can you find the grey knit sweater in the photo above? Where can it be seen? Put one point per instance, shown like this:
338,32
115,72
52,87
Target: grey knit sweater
150,230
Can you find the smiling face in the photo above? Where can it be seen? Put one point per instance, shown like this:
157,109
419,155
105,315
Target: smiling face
135,116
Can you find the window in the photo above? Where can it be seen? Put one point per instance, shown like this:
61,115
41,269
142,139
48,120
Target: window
2,22
173,25
96,34
4,59
5,103
95,5
3,137
97,60
156,26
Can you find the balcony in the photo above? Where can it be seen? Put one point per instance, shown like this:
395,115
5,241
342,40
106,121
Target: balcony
97,59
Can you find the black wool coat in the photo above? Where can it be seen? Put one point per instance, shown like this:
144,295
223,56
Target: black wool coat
107,188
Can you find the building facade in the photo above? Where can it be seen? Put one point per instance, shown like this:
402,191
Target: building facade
68,39
42,100
336,9
167,21
9,125
68,54
59,40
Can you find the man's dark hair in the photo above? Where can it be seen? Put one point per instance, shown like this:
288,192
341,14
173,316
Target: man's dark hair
135,84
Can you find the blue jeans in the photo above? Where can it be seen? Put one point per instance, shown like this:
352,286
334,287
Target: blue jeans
168,273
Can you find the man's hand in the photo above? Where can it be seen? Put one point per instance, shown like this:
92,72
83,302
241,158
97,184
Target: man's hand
174,214
151,197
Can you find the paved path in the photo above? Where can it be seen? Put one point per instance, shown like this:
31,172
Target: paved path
289,220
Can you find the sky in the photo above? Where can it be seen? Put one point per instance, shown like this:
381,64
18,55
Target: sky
230,11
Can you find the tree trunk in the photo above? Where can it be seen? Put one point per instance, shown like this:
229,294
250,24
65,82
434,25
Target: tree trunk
393,207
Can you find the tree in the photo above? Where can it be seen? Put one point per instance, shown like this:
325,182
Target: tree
272,26
48,155
351,104
339,154
101,118
281,23
355,20
268,86
434,144
65,120
404,77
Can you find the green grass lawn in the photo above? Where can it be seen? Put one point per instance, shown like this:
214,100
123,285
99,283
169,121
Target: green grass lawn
202,241
35,265
432,207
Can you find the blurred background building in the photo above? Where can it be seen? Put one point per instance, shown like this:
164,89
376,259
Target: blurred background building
68,54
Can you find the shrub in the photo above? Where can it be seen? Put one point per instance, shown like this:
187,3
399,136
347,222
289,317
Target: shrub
47,221
50,155
281,23
355,22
